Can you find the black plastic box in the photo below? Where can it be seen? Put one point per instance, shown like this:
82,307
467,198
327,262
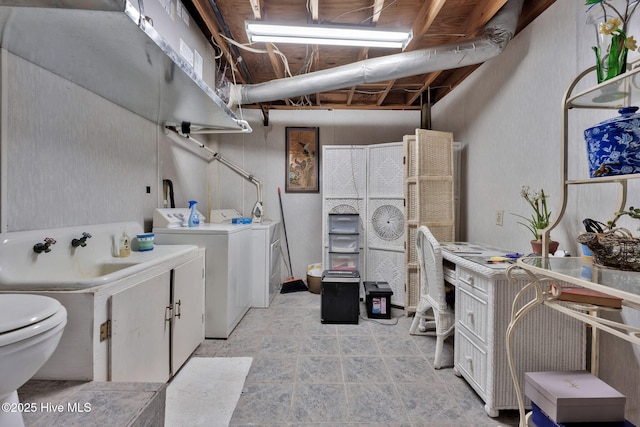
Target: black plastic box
340,296
378,299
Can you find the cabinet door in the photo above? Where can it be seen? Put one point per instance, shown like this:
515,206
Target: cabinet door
139,332
188,303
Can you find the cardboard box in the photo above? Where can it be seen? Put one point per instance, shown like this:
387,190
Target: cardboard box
378,299
574,396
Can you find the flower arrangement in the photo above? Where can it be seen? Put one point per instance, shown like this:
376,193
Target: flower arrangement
611,18
540,218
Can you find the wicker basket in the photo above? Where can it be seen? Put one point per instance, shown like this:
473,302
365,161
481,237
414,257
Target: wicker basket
615,249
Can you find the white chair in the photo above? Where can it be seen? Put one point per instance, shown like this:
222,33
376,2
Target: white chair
433,312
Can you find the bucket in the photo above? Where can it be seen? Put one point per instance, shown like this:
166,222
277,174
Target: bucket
314,277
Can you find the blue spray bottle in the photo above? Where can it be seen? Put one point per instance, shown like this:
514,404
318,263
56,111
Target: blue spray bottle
194,220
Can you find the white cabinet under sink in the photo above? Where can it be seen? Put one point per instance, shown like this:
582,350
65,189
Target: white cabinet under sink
140,331
120,331
157,323
188,315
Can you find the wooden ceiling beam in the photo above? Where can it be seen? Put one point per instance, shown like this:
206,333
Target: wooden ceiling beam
482,13
377,10
428,13
431,77
256,7
211,22
314,9
378,5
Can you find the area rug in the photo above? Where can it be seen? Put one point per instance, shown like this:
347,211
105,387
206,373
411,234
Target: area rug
205,391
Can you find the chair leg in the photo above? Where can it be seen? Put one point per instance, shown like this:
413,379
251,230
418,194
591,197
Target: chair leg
415,324
437,362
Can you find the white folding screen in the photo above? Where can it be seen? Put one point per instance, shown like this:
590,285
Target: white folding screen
368,180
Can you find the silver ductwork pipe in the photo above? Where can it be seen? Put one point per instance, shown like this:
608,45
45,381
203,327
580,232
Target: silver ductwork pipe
497,34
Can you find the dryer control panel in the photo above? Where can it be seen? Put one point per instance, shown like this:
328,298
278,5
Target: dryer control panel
173,217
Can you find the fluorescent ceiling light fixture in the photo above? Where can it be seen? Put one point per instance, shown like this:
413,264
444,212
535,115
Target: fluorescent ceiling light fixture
258,31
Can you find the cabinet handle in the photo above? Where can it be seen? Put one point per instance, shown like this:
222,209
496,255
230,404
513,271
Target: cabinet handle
168,313
178,309
470,315
469,362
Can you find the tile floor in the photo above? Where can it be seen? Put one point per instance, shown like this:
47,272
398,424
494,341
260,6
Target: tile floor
306,373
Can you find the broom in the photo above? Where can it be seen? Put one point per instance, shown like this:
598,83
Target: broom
293,284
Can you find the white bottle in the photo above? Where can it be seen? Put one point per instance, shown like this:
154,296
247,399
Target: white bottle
124,249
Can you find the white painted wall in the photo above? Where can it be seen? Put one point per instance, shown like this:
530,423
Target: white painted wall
70,157
509,115
262,153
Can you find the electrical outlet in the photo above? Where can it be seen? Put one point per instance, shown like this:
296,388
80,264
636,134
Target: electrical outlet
499,217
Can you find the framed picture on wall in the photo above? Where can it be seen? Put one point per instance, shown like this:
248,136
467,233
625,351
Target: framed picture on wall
303,160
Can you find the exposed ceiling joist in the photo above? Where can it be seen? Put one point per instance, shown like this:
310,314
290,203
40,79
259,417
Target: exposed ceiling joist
314,10
482,13
257,9
434,23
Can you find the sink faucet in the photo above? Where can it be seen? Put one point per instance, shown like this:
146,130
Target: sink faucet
81,241
44,247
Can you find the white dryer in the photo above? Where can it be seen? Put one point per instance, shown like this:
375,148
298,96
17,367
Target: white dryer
228,281
266,262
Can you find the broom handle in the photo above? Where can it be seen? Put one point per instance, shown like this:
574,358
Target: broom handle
284,227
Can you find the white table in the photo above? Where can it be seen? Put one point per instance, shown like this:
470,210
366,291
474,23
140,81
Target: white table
576,271
484,297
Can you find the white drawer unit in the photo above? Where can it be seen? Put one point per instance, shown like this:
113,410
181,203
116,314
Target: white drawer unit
343,261
484,297
344,223
344,243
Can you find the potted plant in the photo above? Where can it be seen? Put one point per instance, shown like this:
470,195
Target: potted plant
539,219
611,20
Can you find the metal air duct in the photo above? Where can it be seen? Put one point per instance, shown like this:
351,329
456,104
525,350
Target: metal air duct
497,34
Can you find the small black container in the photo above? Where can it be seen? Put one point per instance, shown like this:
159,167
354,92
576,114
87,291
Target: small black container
378,299
340,299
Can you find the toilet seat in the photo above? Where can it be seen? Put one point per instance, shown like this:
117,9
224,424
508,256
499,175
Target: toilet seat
24,315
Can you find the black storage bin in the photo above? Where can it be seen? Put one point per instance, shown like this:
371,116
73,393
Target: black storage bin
340,295
378,299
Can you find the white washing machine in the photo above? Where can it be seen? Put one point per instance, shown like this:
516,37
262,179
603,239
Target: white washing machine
266,262
228,281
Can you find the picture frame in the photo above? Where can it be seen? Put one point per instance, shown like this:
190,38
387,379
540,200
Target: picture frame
302,160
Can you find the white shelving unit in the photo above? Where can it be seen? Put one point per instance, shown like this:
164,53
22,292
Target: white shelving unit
612,94
593,98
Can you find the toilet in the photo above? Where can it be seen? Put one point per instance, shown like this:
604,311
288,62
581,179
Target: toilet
30,330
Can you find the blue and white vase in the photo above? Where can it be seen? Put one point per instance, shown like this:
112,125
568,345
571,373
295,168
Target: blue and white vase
613,146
